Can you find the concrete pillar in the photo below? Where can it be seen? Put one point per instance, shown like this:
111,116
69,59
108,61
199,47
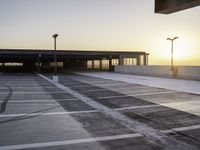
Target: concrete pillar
100,63
121,60
3,65
110,64
39,63
85,66
138,60
92,64
145,60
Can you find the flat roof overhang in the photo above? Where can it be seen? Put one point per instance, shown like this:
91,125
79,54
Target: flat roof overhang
171,6
27,54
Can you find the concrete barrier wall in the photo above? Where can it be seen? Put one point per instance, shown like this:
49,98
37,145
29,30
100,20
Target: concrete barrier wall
191,72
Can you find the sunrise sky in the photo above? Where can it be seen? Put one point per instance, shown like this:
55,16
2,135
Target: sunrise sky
101,25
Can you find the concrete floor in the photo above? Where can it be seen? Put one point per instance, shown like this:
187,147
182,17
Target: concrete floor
94,113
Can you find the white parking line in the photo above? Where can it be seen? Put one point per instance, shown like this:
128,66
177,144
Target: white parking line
89,140
116,88
149,132
110,84
142,94
136,107
17,81
32,87
182,129
78,86
27,84
146,90
41,101
69,142
107,97
154,93
47,114
33,92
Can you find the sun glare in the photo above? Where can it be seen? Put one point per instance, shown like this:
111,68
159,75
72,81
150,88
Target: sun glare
183,50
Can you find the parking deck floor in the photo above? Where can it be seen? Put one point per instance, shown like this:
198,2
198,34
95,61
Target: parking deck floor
92,113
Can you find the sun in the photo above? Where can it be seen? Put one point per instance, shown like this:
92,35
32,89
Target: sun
183,51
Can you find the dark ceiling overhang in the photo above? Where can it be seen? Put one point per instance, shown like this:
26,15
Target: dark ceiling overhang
33,55
171,6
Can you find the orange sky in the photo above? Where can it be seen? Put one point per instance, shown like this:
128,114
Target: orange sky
101,25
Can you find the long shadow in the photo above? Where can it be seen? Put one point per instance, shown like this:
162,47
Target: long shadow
5,101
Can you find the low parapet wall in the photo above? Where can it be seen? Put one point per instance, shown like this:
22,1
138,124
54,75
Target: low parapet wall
190,72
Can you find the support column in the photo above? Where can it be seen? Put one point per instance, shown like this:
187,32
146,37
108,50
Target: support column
100,63
145,59
138,60
92,64
85,64
121,60
110,64
39,63
3,65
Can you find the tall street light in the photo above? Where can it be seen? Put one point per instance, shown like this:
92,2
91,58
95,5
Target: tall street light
55,54
172,50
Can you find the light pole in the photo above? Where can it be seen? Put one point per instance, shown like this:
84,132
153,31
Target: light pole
55,54
172,50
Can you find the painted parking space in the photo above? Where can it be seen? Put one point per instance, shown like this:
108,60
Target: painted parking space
46,116
43,116
157,110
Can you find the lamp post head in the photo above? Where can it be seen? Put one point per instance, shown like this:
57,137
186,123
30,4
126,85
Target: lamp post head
55,35
172,39
175,38
168,39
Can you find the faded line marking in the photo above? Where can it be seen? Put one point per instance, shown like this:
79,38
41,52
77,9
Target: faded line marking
33,92
106,97
94,82
188,128
23,84
47,114
34,87
38,101
110,84
149,132
24,80
98,85
153,93
135,107
116,88
89,140
70,142
78,86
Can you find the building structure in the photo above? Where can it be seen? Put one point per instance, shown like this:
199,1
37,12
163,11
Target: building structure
37,60
171,6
